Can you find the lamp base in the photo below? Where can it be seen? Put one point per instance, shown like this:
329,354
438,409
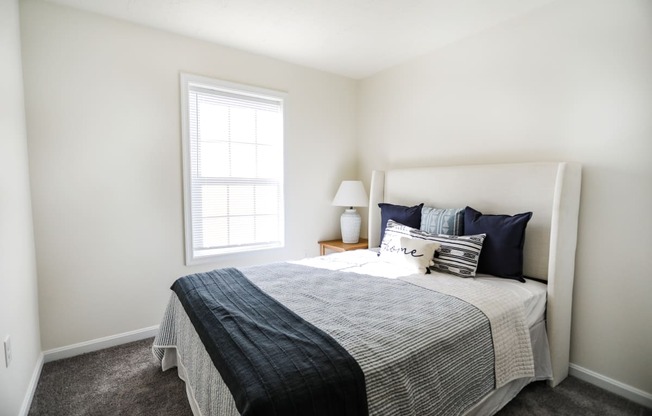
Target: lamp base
350,224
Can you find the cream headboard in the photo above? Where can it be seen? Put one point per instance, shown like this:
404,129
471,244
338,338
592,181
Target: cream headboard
550,190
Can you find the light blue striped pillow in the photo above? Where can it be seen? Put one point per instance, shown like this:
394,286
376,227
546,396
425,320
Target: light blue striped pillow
442,221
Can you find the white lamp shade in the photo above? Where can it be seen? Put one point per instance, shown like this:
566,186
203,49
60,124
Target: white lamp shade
351,194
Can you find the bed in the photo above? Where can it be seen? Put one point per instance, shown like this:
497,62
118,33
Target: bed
399,375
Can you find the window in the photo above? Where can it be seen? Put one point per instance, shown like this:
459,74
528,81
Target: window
233,167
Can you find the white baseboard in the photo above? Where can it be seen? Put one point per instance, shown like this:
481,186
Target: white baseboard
632,393
99,344
31,387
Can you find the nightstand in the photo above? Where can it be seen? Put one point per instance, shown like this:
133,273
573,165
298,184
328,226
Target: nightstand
338,245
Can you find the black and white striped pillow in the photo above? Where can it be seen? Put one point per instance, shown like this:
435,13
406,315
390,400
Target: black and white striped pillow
457,255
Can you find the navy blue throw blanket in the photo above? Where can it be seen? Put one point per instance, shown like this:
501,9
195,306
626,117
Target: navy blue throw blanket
273,361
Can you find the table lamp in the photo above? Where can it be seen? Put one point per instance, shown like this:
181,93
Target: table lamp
350,194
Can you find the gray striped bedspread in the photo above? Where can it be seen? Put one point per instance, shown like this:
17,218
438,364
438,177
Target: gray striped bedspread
422,352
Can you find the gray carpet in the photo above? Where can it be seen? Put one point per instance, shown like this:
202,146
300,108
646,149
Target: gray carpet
122,380
572,397
127,380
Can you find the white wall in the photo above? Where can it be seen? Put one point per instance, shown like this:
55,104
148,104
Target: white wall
570,81
105,155
18,291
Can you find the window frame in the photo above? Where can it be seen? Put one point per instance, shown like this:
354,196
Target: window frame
186,80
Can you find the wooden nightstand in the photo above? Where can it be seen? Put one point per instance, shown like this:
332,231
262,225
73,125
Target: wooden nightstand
338,245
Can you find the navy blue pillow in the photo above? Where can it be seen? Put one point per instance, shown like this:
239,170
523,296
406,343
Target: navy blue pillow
502,251
410,216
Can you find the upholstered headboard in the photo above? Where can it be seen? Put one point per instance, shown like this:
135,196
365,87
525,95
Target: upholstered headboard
551,190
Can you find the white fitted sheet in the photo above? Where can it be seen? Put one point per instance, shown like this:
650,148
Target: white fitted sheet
532,293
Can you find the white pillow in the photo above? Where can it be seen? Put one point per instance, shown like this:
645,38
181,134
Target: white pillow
416,254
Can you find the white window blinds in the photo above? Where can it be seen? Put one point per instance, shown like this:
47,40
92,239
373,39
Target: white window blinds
233,168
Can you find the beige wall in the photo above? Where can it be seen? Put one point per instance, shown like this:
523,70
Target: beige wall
103,119
571,81
18,292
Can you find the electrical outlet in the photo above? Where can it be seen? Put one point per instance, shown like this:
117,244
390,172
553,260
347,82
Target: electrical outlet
7,351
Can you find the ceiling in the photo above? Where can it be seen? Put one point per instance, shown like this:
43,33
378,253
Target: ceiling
354,38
